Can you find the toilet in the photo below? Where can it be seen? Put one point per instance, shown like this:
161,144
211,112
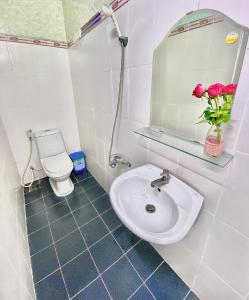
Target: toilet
55,161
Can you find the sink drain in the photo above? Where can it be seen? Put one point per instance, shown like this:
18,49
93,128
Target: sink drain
150,208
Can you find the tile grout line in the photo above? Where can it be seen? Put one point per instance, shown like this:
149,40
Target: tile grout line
187,294
106,268
89,251
60,239
123,251
144,281
56,252
45,277
62,216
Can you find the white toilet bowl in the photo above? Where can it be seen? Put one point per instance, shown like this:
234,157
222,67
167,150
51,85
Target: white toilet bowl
58,168
55,161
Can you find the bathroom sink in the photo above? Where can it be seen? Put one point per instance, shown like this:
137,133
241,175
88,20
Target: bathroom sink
162,216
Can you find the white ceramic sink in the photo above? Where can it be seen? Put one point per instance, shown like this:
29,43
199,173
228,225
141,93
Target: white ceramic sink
176,206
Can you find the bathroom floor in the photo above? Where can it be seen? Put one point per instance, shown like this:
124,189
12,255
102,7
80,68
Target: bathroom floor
80,250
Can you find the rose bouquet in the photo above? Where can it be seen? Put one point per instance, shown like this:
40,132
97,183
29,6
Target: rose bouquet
220,102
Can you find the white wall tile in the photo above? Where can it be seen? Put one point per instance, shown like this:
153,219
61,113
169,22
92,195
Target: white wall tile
234,206
228,255
139,93
181,259
15,264
210,190
141,32
210,286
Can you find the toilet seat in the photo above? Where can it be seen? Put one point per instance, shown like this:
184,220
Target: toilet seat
57,165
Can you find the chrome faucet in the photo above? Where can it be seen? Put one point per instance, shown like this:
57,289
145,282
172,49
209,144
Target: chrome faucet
162,180
118,159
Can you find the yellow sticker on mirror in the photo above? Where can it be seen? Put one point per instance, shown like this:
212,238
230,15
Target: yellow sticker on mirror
232,37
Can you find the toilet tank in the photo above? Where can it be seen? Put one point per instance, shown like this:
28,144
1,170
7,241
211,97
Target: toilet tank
49,142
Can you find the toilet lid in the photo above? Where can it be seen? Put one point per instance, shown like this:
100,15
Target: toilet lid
58,164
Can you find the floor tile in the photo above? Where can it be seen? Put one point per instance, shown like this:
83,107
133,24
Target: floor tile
166,284
31,196
58,211
82,176
79,272
69,247
94,192
63,226
105,253
102,203
111,219
47,190
52,199
34,207
39,240
144,258
44,263
94,291
142,294
73,178
77,190
37,222
125,237
94,231
121,280
191,296
84,214
51,288
77,200
88,183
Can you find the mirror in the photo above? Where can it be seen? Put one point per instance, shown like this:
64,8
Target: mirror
203,47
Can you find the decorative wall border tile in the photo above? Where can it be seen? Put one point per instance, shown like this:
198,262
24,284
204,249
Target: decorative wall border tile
16,39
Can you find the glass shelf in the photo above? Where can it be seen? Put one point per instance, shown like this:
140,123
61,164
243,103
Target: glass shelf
186,145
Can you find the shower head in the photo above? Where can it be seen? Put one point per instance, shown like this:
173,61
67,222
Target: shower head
108,12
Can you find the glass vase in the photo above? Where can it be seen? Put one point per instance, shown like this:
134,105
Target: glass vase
214,143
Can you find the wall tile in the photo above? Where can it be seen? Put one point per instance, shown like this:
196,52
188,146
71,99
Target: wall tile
243,143
210,190
228,254
141,30
139,93
234,206
181,259
14,251
210,286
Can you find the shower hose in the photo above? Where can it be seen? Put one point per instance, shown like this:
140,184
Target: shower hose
120,98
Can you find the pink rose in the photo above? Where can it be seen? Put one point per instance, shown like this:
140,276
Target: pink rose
229,89
199,91
215,90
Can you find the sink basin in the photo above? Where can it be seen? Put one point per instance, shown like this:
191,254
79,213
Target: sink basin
161,217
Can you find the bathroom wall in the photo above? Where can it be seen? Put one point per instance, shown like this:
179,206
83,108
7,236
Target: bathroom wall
214,257
16,275
36,93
